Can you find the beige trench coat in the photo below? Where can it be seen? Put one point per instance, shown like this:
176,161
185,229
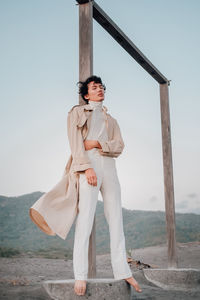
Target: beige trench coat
55,211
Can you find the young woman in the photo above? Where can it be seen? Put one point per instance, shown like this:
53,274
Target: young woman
94,160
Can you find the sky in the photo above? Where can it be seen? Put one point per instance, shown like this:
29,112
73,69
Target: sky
39,69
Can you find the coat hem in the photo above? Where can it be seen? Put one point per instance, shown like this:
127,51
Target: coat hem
35,215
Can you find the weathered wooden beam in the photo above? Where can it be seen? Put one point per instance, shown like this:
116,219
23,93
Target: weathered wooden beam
111,27
86,70
85,43
168,176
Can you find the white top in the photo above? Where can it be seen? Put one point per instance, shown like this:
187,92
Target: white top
98,126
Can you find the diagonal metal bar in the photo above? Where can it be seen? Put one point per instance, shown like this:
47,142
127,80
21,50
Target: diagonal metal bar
111,27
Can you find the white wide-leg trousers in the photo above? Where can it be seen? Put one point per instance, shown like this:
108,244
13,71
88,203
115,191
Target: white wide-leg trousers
108,184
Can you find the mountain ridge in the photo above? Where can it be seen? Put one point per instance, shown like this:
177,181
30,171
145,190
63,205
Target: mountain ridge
141,228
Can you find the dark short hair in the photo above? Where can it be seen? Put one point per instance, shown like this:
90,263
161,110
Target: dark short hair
83,88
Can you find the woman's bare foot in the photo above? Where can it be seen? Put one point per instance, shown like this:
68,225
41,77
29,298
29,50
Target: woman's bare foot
134,283
80,287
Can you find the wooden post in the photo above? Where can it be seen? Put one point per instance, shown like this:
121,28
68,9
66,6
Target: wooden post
168,176
85,43
86,70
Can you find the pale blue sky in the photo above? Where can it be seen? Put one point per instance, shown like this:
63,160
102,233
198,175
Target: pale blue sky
39,72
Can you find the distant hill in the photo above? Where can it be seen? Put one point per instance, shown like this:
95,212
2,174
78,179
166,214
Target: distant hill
142,228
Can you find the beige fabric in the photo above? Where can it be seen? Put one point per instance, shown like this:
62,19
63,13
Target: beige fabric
55,211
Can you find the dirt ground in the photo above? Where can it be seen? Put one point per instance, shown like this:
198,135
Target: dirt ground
21,278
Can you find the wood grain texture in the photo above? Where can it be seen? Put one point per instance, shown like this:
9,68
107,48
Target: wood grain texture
168,176
85,43
86,70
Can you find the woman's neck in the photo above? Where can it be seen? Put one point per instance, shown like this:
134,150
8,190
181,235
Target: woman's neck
96,104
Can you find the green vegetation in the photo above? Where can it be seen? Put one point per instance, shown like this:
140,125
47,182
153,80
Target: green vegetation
8,252
19,236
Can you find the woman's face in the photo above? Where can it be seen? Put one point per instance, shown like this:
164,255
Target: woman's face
95,92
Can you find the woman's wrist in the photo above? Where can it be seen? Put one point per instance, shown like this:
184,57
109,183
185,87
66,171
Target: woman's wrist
98,145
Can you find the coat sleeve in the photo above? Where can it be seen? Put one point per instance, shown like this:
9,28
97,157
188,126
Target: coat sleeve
81,161
115,146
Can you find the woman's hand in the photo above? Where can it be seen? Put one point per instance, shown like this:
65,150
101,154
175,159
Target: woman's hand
89,144
91,176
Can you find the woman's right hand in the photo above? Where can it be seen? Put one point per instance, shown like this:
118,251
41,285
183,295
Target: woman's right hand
90,144
91,176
